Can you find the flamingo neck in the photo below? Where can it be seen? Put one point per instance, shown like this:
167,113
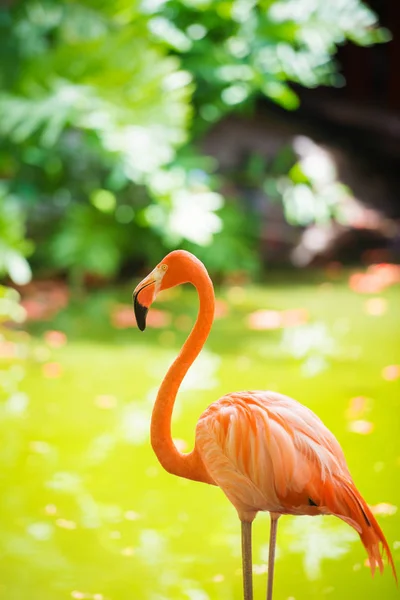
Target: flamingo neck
188,465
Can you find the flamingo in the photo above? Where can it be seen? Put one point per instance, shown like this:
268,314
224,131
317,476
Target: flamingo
266,451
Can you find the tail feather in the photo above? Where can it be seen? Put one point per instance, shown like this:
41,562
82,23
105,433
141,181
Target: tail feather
350,506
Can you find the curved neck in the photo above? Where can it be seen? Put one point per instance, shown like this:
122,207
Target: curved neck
189,465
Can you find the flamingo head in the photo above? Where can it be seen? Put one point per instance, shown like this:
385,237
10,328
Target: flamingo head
176,268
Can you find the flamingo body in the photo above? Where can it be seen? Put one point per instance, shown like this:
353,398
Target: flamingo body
268,452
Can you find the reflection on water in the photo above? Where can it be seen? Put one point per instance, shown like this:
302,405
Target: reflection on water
317,539
135,423
313,344
87,512
203,374
100,448
40,531
16,404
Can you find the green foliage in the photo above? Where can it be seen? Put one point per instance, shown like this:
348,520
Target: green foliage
307,187
233,247
13,245
112,96
240,49
12,349
104,76
10,309
88,239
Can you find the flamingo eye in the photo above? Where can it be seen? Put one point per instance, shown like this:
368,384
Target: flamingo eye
164,267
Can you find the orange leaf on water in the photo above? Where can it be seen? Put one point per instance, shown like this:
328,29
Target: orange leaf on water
122,316
264,319
375,279
274,319
391,372
375,307
158,318
105,401
8,349
221,309
358,406
55,339
363,283
52,370
293,317
66,524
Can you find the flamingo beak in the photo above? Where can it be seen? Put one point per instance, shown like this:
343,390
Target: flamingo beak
140,313
141,308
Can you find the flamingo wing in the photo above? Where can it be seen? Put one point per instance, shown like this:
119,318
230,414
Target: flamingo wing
268,452
264,450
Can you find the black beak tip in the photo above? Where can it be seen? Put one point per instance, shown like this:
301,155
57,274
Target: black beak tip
140,313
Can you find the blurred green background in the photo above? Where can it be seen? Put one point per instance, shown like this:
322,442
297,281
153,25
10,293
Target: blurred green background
128,129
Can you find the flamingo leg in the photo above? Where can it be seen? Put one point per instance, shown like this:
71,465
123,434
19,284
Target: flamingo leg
271,555
247,563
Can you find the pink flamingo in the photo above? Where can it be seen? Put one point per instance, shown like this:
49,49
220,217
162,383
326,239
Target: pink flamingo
265,451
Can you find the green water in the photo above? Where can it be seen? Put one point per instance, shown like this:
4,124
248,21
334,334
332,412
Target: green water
87,512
